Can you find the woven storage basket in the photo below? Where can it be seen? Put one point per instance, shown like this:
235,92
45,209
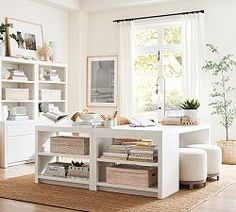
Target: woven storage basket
132,175
69,145
228,151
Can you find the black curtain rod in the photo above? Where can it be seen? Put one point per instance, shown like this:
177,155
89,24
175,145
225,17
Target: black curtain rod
158,16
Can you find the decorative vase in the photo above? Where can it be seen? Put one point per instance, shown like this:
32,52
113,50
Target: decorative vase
192,114
46,52
228,151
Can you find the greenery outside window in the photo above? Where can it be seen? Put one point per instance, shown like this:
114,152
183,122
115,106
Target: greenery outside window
158,52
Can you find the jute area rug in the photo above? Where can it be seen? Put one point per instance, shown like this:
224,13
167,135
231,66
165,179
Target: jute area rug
24,189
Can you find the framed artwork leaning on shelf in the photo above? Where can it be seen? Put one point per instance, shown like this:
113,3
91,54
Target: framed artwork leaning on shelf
102,81
29,36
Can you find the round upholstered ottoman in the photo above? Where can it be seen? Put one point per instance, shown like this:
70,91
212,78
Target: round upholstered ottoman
214,158
193,166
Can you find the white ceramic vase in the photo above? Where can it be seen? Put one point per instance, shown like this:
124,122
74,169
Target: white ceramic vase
192,114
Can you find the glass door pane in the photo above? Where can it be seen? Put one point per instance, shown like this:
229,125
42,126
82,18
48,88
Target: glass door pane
172,70
146,72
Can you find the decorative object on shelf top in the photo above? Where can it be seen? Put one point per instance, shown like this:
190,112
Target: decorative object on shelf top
222,102
190,109
45,52
30,39
3,36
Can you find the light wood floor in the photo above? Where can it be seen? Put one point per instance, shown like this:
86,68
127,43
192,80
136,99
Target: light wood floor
225,201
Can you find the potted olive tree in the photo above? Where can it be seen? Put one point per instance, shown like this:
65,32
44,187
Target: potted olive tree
3,31
190,109
222,102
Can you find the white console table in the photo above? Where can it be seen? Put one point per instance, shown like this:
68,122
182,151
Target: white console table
168,139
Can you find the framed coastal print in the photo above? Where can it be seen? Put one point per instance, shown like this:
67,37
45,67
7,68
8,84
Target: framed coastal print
102,81
29,36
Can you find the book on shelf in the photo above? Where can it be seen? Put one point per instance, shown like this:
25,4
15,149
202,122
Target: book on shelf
18,78
116,151
113,158
143,160
115,154
135,142
151,152
144,147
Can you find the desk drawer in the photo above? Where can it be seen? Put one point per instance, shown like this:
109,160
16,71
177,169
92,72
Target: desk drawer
20,148
20,129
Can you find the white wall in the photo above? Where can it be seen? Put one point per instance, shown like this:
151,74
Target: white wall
220,30
54,21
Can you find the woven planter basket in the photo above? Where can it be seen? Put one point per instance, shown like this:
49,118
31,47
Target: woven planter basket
228,151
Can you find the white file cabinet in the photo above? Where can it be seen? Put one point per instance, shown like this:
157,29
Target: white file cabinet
17,144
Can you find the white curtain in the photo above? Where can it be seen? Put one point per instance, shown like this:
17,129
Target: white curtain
194,47
125,66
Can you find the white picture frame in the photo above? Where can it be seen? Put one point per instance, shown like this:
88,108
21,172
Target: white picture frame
30,37
102,81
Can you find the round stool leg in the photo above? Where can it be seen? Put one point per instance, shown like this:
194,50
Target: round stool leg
190,186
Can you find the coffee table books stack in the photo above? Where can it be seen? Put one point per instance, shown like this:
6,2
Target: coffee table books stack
119,152
147,153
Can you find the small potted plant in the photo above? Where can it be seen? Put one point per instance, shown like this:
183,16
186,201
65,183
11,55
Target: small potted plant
190,109
3,31
222,102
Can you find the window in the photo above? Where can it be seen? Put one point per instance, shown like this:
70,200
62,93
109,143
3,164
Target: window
159,52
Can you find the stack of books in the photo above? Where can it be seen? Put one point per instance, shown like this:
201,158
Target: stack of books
57,169
144,153
133,142
17,74
119,152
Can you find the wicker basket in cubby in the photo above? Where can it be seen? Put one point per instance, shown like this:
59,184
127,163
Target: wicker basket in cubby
132,175
69,145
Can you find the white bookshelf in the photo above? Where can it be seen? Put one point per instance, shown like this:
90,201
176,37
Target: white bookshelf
152,189
50,154
128,162
31,69
167,138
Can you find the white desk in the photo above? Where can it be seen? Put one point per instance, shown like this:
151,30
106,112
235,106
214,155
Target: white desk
168,139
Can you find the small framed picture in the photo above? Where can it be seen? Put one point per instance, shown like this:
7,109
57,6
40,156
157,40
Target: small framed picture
102,81
30,39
